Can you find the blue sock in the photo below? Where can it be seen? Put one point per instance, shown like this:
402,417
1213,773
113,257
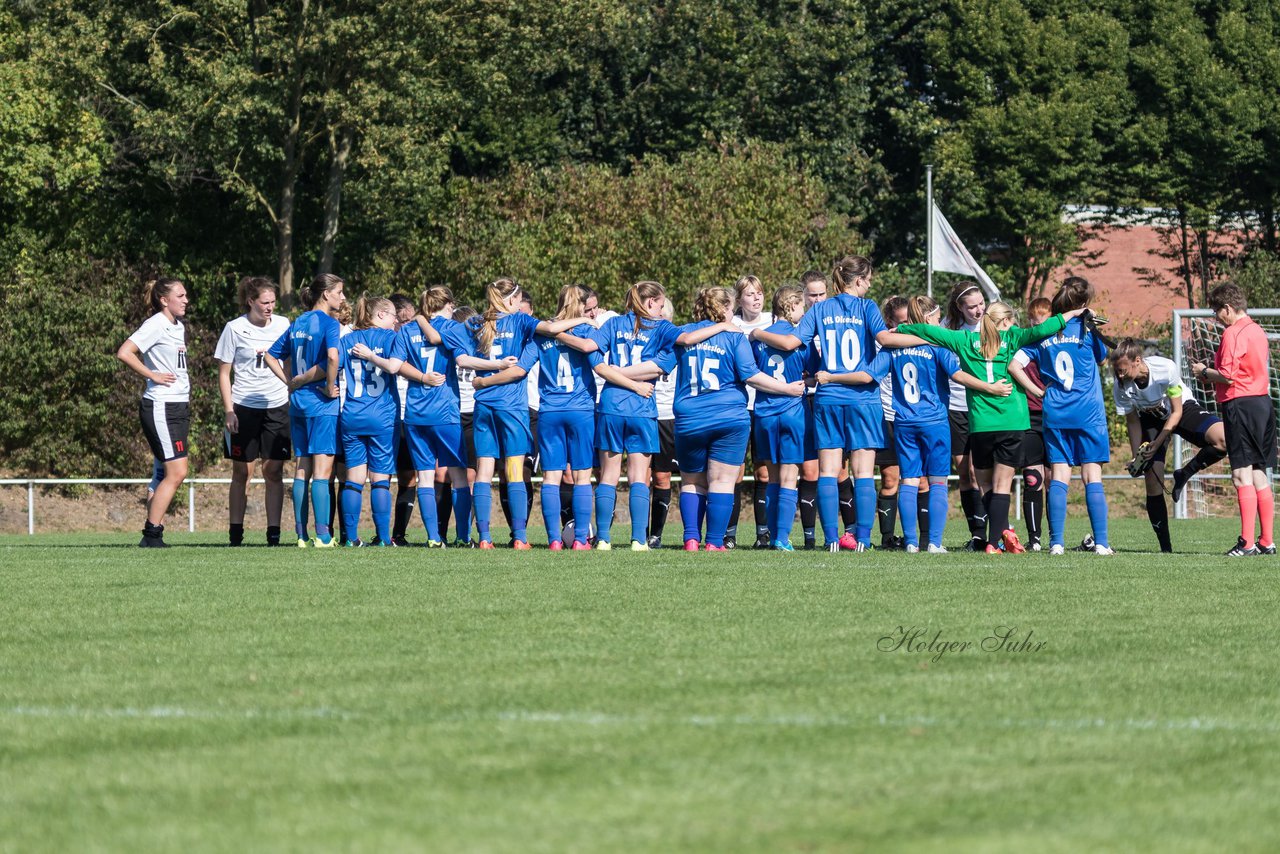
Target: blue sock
300,507
937,510
380,504
689,515
1056,511
829,508
771,510
482,500
1095,499
702,511
719,509
908,510
352,499
786,514
638,505
462,512
430,516
518,498
320,506
606,498
864,497
550,495
583,499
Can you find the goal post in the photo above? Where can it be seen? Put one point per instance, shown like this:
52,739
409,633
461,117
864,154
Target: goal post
1196,335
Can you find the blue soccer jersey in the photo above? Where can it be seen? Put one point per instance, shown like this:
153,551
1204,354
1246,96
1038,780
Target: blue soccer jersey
845,329
306,344
566,377
920,383
1068,366
435,405
370,407
515,331
709,380
784,366
623,346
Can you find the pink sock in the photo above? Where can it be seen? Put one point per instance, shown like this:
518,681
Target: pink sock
1248,498
1266,511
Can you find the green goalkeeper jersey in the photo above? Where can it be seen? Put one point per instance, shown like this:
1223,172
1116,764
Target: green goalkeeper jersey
987,412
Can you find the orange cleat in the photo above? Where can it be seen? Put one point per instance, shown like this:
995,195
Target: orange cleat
520,545
993,550
486,545
579,546
691,545
848,542
1011,543
711,548
556,546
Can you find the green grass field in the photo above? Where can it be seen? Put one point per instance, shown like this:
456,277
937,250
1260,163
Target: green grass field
204,698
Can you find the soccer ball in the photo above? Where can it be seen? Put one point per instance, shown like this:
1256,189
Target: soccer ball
566,533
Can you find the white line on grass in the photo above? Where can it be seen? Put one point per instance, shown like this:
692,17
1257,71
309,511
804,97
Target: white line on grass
175,712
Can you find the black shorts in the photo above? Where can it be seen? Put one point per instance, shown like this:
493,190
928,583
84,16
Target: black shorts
959,421
404,459
166,425
887,457
469,437
533,459
1193,427
1250,423
998,446
1033,442
263,434
665,459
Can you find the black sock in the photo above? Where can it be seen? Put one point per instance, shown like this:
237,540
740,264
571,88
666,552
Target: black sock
333,511
404,512
848,509
887,513
922,515
997,516
659,507
501,489
1158,513
528,496
444,507
273,535
808,507
1032,503
566,500
1204,458
975,515
732,530
154,531
762,513
235,534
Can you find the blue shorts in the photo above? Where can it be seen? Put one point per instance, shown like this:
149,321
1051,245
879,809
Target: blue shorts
630,433
780,439
849,427
567,439
923,449
502,433
317,434
435,445
724,443
377,452
1076,446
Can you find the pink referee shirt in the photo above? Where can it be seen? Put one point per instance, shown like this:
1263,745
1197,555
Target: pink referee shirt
1242,358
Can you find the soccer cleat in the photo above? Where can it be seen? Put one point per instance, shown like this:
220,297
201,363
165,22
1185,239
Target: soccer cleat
762,542
1266,550
399,541
833,547
862,547
304,543
810,544
354,544
893,544
1105,551
1057,550
579,546
691,545
520,545
936,549
710,548
655,542
637,546
436,544
848,542
730,543
322,544
993,550
604,546
976,544
1180,480
555,546
1033,544
911,548
457,544
1086,545
486,545
783,546
1011,543
1241,550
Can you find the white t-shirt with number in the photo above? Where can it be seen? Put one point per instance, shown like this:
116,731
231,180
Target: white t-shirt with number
243,345
764,321
664,395
1164,381
958,401
164,350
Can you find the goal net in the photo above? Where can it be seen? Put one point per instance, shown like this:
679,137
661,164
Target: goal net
1196,336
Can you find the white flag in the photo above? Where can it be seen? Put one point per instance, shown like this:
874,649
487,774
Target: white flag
950,256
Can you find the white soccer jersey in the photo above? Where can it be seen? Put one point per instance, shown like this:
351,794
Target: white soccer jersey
531,387
466,391
1163,381
243,345
959,402
664,394
164,350
764,321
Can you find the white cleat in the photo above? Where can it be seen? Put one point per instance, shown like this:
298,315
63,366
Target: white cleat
603,546
912,549
833,547
1057,550
1102,550
937,550
637,546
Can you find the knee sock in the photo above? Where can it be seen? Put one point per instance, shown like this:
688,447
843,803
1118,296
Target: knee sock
771,493
427,507
404,511
659,507
550,495
997,516
300,509
528,498
638,505
923,516
1057,511
583,499
887,513
566,501
1095,500
849,506
937,510
786,514
1247,496
444,507
719,509
333,507
380,505
807,501
273,535
235,534
829,508
352,499
518,499
864,490
1266,515
907,503
735,512
321,506
482,505
462,511
504,499
1204,458
761,495
606,498
1032,502
971,505
689,514
1158,513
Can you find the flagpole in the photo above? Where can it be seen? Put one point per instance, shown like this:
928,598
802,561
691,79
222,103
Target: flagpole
928,230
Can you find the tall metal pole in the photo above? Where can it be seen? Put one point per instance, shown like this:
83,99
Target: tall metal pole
928,229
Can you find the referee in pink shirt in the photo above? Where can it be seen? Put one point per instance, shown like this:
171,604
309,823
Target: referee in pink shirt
1240,378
